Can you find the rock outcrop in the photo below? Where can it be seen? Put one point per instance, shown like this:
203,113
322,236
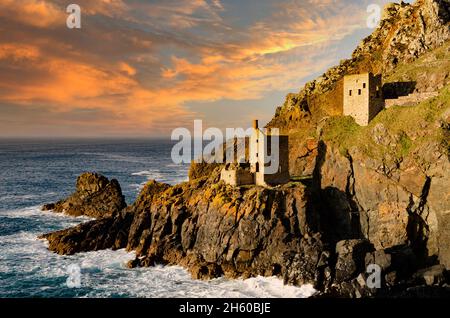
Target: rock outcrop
95,196
212,229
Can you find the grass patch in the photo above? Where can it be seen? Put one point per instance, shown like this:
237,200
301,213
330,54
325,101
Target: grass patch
341,130
302,133
407,128
405,144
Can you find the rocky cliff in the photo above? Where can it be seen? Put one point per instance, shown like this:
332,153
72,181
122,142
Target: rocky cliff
211,228
360,195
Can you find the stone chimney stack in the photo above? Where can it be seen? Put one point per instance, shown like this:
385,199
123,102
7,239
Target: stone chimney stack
255,124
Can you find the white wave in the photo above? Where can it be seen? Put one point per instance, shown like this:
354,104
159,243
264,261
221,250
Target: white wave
104,274
150,174
36,212
174,281
267,287
145,173
161,177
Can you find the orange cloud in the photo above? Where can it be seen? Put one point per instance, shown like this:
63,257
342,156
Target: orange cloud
17,52
137,72
66,84
127,68
36,13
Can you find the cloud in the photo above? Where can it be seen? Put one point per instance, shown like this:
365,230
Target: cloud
136,65
37,13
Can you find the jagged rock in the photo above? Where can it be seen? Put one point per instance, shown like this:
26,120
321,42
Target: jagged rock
206,271
421,292
94,196
302,157
133,263
350,261
383,259
380,258
216,160
434,275
107,232
382,136
311,264
201,169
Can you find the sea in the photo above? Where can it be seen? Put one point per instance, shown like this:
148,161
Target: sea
37,171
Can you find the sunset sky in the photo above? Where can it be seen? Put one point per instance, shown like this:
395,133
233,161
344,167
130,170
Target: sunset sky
143,68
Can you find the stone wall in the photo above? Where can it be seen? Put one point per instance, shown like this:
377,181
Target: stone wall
236,176
411,99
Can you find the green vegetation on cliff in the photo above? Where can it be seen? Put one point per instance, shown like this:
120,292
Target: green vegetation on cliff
434,64
396,131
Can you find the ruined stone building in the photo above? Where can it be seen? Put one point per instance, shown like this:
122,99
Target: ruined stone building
255,170
363,97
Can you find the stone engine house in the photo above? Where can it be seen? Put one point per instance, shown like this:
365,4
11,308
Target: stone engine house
254,170
363,97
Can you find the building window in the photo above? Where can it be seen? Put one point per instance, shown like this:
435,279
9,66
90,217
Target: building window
364,85
350,93
257,167
359,92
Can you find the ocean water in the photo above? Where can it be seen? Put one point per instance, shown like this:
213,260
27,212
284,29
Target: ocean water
34,172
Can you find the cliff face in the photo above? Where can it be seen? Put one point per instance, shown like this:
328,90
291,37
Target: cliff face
386,182
409,207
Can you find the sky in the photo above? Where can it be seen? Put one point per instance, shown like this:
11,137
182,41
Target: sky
140,68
